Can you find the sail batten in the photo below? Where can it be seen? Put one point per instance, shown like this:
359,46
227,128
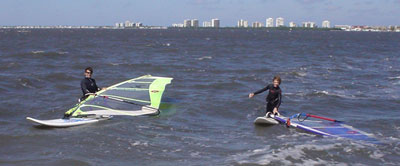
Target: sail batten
128,99
130,89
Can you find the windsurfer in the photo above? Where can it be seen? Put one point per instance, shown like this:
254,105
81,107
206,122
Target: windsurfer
274,97
88,86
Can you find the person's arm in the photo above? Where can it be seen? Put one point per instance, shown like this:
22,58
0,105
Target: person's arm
279,99
98,88
84,87
259,91
95,85
275,111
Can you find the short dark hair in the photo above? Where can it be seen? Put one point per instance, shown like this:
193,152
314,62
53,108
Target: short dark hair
90,69
278,78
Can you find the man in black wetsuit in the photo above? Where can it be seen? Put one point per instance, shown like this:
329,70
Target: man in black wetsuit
88,84
274,97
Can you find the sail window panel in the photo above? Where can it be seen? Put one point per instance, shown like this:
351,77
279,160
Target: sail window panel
104,103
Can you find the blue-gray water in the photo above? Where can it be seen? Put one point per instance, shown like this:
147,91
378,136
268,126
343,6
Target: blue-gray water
350,76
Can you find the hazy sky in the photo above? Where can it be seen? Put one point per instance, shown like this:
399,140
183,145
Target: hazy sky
166,12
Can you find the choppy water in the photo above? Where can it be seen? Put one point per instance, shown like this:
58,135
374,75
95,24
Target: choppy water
351,76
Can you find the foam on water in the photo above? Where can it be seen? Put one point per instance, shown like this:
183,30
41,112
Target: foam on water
288,155
204,57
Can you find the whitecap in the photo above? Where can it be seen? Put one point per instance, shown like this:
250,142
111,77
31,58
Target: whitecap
204,57
138,143
394,78
195,154
265,156
335,94
37,52
376,155
115,64
302,74
394,139
322,92
297,73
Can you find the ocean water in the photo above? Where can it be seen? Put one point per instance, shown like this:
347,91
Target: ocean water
207,117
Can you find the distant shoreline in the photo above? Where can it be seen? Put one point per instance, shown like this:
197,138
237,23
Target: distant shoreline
265,28
161,27
25,28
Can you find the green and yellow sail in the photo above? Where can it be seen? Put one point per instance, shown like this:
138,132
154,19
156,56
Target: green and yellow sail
134,97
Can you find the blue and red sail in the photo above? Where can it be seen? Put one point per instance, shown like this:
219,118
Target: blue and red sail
325,126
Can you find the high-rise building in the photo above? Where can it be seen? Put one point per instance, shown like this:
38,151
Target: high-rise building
269,22
195,23
206,24
292,24
309,25
396,27
391,27
215,23
326,24
313,25
138,24
243,23
187,23
128,24
257,24
279,22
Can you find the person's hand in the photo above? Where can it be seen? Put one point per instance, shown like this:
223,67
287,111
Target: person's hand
104,88
251,95
275,111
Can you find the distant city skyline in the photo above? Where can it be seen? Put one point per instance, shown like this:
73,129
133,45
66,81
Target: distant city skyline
164,13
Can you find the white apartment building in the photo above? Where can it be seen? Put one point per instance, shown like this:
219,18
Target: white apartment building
243,23
257,24
269,22
309,25
187,23
292,24
194,23
215,23
206,24
326,24
279,22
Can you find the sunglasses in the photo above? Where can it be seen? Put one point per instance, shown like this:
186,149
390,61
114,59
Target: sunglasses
88,72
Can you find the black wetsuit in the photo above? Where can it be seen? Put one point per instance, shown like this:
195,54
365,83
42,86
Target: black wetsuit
88,85
274,97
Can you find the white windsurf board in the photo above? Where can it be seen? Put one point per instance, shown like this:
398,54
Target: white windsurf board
66,122
265,121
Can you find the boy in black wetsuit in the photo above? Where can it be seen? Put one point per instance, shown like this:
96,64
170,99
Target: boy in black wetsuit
88,84
274,97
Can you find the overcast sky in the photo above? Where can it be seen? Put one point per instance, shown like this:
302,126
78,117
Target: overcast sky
166,12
